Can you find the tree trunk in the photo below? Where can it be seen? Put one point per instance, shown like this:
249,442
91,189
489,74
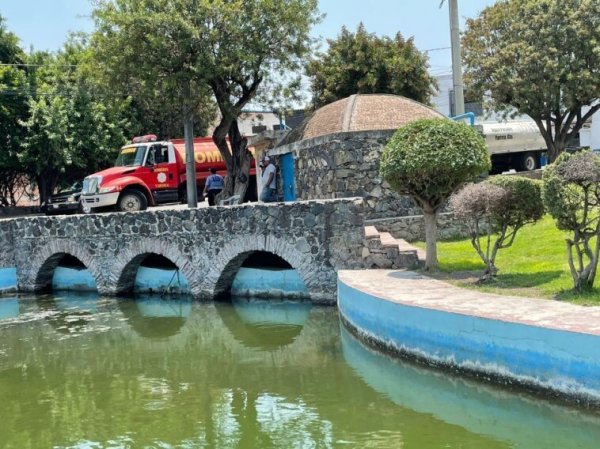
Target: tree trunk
238,161
430,218
242,159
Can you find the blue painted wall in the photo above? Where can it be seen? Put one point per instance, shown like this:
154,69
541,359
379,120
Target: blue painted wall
266,282
8,279
72,279
156,280
563,361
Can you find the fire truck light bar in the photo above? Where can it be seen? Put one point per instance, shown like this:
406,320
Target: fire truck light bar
146,138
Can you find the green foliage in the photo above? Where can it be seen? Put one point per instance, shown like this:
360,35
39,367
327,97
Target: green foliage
13,108
186,48
71,130
522,204
429,159
535,266
540,58
572,196
494,211
363,63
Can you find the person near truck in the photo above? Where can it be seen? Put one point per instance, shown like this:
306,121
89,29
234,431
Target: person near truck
268,182
214,185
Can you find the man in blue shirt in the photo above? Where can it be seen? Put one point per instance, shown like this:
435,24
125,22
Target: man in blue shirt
214,185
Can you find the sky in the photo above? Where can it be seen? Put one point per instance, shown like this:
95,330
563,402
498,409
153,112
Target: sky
45,24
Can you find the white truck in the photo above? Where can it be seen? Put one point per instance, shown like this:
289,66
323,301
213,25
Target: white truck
514,145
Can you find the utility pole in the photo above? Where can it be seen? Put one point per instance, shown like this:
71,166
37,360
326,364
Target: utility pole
188,134
459,96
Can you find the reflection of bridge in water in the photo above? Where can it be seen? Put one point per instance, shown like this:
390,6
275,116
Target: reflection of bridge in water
252,361
207,246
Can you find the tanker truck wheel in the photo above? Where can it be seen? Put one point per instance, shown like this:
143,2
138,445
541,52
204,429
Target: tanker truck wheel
529,161
131,201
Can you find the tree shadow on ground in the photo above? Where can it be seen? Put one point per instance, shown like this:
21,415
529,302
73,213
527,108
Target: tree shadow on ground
501,281
524,280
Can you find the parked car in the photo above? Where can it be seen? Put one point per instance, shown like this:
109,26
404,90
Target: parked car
64,202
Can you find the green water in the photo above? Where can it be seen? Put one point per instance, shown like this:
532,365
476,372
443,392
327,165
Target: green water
88,372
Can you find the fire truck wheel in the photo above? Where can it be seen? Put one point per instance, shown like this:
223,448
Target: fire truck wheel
131,201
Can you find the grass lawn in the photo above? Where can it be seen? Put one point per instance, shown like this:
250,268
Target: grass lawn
535,265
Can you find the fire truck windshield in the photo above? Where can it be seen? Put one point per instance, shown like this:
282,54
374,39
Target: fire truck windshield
131,156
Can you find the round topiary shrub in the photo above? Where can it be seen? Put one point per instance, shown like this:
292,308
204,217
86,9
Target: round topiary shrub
428,160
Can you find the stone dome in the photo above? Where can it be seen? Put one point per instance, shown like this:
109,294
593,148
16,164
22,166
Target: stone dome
369,112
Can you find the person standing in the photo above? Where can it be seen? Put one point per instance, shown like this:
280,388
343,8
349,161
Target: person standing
268,182
214,185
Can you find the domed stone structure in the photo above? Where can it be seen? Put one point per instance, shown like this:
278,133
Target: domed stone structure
357,113
336,152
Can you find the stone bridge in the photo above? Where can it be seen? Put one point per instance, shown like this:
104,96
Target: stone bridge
208,245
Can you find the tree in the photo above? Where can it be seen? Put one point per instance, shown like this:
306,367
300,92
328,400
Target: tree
14,95
233,48
494,211
363,63
71,130
571,194
430,159
540,58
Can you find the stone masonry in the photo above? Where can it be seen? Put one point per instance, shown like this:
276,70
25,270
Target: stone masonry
208,245
346,165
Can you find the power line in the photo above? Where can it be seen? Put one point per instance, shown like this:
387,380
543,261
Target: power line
437,49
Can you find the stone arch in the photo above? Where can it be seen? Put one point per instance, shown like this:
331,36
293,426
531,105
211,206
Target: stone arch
46,259
233,254
126,263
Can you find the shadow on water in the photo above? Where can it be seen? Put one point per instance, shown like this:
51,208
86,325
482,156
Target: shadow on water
485,410
156,317
265,324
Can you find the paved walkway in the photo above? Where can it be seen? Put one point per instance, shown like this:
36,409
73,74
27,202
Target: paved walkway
413,289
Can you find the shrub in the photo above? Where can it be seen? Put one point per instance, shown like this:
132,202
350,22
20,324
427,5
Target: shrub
494,211
428,160
571,193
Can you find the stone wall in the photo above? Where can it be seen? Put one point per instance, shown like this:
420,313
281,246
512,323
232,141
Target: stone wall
346,165
7,256
412,228
208,245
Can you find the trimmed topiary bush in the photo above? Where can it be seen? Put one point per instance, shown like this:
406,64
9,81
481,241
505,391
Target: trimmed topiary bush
428,160
494,211
571,193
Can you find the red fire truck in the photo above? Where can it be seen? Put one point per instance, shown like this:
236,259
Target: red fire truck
148,172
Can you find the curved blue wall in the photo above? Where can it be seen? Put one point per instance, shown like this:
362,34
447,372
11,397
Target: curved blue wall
566,362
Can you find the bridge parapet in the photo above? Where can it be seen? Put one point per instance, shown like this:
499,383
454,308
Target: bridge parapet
208,245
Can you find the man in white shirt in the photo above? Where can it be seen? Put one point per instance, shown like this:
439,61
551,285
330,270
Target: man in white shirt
269,184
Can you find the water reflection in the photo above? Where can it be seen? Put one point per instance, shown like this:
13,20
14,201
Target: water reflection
195,384
156,317
9,308
264,323
515,419
69,312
